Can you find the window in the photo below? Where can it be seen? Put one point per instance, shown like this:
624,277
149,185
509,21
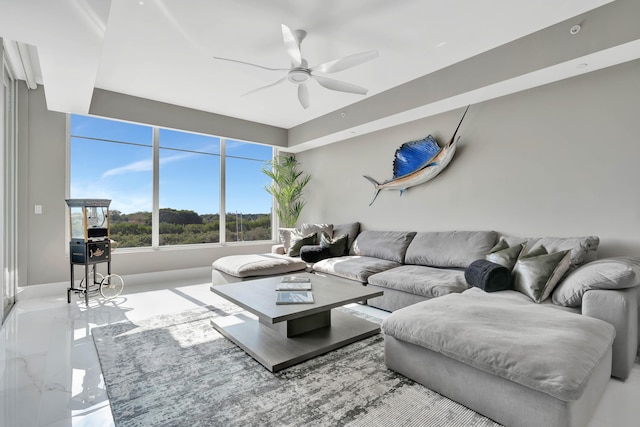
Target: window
189,188
114,160
248,204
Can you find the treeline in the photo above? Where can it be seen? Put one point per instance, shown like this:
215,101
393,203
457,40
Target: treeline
182,227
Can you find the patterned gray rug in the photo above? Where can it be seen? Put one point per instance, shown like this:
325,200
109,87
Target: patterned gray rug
176,370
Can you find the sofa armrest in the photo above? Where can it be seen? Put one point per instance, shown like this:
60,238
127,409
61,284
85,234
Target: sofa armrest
619,308
277,249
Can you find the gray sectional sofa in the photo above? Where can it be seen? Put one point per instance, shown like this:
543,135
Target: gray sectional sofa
411,267
479,346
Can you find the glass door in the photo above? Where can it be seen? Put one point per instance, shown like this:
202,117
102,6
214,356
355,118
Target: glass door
8,192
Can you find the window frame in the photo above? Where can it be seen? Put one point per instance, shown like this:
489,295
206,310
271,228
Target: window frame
155,212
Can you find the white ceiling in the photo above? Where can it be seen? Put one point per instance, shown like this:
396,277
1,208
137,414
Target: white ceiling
163,49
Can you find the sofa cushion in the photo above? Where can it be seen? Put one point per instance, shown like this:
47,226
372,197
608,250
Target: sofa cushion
511,295
258,265
606,273
450,248
545,349
351,229
428,282
387,245
583,249
354,267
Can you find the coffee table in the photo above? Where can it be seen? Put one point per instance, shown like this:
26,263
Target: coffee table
279,336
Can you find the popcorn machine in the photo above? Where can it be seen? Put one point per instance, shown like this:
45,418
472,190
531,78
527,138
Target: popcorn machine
90,244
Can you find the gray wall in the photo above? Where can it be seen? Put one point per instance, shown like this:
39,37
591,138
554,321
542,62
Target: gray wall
125,107
558,160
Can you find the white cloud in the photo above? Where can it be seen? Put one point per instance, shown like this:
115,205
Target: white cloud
144,165
139,166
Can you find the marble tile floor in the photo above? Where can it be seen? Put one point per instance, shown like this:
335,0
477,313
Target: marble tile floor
50,374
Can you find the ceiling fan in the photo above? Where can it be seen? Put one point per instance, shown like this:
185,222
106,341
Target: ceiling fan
300,72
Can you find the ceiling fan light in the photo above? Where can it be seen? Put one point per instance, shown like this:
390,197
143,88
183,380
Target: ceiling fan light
298,76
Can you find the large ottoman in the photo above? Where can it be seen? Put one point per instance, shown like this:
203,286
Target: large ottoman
237,268
518,363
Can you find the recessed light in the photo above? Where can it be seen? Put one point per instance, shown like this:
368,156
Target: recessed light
575,30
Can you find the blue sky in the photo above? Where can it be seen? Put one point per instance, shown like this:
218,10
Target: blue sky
189,168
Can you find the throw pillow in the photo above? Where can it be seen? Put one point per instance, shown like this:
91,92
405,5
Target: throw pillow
488,276
337,246
351,229
505,255
538,272
299,240
540,250
317,229
314,253
285,238
606,273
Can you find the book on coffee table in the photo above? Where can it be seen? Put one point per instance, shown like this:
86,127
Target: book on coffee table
295,279
294,286
293,283
294,297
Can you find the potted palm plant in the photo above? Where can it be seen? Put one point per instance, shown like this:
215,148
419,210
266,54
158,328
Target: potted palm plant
286,187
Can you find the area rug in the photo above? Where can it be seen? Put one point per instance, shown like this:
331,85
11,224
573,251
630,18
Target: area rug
176,370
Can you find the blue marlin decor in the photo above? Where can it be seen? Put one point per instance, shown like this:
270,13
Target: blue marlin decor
417,162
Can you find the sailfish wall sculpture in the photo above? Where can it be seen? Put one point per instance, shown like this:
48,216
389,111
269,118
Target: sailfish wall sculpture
417,162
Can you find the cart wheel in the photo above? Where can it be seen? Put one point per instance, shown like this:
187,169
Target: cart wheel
98,282
111,286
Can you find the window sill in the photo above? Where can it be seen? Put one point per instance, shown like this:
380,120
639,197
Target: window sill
191,247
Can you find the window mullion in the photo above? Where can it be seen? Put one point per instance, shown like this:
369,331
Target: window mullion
223,210
155,215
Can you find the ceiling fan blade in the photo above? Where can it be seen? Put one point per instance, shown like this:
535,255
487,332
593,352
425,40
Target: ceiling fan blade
339,85
249,63
292,45
303,95
264,87
346,62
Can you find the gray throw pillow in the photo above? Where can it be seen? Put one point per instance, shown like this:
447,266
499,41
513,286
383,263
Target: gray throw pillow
351,229
505,255
536,274
298,240
337,246
606,273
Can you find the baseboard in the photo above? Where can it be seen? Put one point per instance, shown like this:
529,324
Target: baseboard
130,280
